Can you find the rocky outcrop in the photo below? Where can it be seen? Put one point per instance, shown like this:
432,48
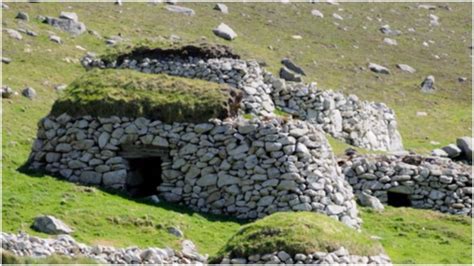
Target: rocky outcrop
51,225
246,169
420,182
339,256
32,246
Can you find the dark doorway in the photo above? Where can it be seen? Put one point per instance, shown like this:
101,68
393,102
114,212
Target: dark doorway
398,199
144,176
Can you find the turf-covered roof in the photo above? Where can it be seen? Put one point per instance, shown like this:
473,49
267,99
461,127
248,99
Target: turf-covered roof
103,93
297,232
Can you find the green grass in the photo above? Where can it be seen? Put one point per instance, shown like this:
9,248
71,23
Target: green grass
104,93
297,232
326,53
421,236
10,258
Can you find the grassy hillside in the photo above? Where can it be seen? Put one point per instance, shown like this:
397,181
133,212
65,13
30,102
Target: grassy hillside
329,56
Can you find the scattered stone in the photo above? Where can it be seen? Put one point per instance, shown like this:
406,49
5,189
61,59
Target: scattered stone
68,22
7,92
23,16
181,10
337,16
5,6
370,201
289,75
428,84
297,37
29,93
118,2
222,8
31,33
385,29
292,66
14,34
60,87
434,20
427,6
462,79
378,68
175,231
56,39
439,153
6,60
390,41
421,114
317,13
225,32
406,68
51,225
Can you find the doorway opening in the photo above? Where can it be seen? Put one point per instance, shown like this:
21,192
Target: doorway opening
144,176
398,199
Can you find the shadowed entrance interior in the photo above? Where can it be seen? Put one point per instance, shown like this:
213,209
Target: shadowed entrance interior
398,199
144,176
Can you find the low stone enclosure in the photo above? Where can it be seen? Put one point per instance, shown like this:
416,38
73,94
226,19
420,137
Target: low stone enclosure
413,181
232,164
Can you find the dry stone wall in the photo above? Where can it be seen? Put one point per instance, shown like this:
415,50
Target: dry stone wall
364,124
340,256
246,169
428,183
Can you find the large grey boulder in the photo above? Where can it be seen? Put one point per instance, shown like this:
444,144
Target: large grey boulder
370,201
51,225
292,66
224,31
378,68
428,84
465,144
67,22
289,75
181,10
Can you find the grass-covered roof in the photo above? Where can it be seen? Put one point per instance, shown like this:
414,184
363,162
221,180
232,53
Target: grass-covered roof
297,232
134,94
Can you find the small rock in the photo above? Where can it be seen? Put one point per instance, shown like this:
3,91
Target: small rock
29,93
6,60
60,87
370,201
118,2
452,150
296,37
222,8
181,10
317,13
55,38
23,16
175,231
337,16
428,84
406,68
390,41
292,66
428,7
14,34
421,113
439,153
289,75
7,92
385,29
69,15
378,68
51,225
462,79
225,32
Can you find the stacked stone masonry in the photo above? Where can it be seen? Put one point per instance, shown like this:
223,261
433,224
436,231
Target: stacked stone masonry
242,168
360,123
426,182
338,257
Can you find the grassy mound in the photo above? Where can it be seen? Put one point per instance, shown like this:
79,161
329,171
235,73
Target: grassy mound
297,232
10,258
131,93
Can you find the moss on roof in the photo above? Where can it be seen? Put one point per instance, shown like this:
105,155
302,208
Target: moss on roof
134,94
297,232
